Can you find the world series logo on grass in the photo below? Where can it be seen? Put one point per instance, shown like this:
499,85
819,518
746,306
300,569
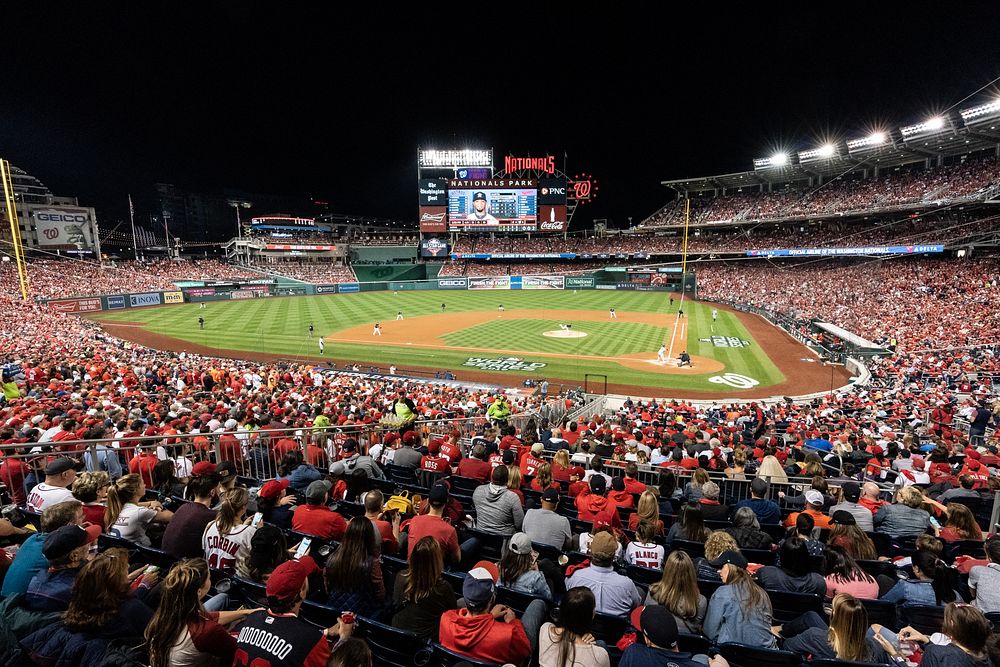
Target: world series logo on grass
503,364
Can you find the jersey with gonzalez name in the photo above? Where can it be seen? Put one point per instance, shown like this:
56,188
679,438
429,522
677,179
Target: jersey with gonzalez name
223,551
645,555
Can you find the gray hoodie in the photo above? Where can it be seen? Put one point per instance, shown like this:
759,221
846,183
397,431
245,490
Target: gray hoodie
498,510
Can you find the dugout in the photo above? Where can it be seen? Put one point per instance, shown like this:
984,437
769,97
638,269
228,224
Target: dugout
840,342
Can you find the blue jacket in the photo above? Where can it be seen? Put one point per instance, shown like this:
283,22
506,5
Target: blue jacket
51,591
766,510
303,476
28,562
727,621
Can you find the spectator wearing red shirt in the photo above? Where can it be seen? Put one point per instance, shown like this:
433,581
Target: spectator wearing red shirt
576,483
450,449
230,450
475,467
389,532
632,483
142,464
531,460
315,518
592,505
433,524
12,474
433,461
486,632
618,495
68,432
870,497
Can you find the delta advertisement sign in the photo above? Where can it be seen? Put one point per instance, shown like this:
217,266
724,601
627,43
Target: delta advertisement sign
862,250
75,305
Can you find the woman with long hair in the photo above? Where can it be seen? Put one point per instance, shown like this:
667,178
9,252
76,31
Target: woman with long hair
101,608
561,466
844,575
667,484
677,590
514,481
846,638
967,628
268,550
738,469
692,490
569,642
227,538
934,582
770,471
124,517
519,568
543,479
689,526
795,572
353,574
183,633
739,610
420,594
91,489
960,525
854,541
746,530
648,511
165,480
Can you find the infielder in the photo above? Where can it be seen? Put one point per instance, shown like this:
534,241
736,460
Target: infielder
661,354
322,345
500,308
377,331
399,315
613,314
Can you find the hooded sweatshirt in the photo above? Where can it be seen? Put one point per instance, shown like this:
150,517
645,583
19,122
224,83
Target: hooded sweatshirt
484,638
597,508
498,510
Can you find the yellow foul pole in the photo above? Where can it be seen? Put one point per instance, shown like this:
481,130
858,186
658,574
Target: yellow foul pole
15,229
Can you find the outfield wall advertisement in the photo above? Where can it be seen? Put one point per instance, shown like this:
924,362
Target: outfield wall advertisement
864,250
542,282
492,282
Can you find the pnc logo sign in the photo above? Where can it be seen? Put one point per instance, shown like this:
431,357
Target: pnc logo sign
553,191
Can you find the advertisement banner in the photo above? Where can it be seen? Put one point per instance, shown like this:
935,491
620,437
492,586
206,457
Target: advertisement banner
453,283
115,302
173,297
434,248
241,294
473,173
579,282
433,219
513,255
542,282
863,250
348,287
515,282
201,291
76,305
64,226
433,192
552,191
277,246
326,289
552,218
138,300
491,282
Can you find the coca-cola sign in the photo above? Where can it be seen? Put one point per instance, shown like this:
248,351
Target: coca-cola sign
552,218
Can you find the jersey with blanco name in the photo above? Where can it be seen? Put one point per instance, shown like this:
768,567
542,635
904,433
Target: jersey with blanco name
223,551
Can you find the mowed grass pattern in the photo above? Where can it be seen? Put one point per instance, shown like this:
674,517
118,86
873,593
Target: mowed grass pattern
280,326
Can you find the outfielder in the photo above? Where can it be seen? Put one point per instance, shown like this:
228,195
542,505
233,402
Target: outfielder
322,345
310,330
201,322
500,308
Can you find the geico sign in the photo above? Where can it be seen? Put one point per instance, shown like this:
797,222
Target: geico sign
61,217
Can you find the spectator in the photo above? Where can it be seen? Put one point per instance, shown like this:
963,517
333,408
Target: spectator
66,550
905,518
658,642
353,574
643,551
845,639
125,517
794,575
740,610
353,462
847,535
966,630
814,508
960,525
616,595
519,569
420,594
766,510
388,532
690,526
677,591
183,632
277,636
182,537
648,510
226,539
498,509
746,531
268,550
545,526
718,542
60,474
475,466
711,508
275,504
984,580
933,583
488,632
30,558
315,518
593,505
851,492
91,489
569,642
844,575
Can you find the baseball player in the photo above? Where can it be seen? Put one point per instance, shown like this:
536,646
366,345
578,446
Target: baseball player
322,345
500,308
661,354
480,210
377,331
202,305
671,302
442,307
310,330
399,315
201,322
715,314
684,359
613,314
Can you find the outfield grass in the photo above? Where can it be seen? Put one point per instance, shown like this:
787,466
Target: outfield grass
280,326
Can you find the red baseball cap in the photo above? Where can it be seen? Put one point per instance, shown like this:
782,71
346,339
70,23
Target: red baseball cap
286,580
578,471
434,446
202,468
272,489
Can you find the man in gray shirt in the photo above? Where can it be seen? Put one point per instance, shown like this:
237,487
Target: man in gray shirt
984,580
498,509
407,455
862,515
545,526
964,491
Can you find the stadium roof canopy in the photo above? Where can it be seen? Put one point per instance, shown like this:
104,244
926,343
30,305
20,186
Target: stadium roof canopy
958,133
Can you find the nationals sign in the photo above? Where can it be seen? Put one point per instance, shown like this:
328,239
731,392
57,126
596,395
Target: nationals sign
544,164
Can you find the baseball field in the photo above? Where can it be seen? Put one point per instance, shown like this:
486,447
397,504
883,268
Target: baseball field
558,335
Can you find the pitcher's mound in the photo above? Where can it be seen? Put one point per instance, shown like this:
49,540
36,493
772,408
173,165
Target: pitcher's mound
564,333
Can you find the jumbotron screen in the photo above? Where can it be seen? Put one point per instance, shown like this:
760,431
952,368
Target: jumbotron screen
509,205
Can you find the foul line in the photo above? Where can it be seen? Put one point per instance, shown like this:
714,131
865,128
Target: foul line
677,317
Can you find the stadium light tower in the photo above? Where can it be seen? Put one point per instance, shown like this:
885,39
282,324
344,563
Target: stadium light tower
876,138
238,204
827,150
935,123
779,159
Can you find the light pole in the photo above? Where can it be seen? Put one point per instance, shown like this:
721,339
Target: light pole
238,204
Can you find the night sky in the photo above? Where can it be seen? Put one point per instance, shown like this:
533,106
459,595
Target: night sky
103,99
